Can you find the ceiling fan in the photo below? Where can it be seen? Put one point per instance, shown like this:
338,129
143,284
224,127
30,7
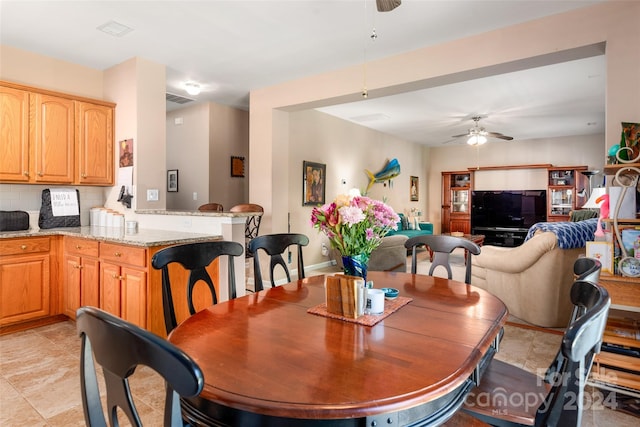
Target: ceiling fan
387,5
478,135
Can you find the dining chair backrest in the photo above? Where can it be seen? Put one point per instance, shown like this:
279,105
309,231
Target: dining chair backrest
252,225
211,207
558,400
275,245
442,246
587,269
119,347
194,257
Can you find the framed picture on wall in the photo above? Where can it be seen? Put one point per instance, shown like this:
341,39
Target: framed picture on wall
172,180
237,166
413,188
313,183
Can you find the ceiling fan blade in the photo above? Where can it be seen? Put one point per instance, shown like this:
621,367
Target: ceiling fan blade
499,135
461,135
387,5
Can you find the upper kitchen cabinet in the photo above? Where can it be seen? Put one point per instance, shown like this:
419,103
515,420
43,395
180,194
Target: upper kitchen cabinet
52,138
14,135
94,149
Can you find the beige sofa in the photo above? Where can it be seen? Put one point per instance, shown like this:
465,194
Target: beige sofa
533,279
391,255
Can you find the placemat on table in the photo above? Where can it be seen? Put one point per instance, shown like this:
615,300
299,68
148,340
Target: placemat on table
390,306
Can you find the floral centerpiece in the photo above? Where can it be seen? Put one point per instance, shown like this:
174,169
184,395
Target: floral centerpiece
355,226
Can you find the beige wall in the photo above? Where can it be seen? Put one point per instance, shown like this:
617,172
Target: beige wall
347,150
537,42
188,152
201,149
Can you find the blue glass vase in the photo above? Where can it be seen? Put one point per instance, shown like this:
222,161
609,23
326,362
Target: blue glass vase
356,265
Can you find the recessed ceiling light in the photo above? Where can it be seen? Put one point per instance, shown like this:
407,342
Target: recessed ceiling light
192,88
115,29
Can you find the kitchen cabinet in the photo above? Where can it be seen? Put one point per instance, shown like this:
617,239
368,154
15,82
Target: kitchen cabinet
94,148
24,279
14,134
456,198
566,191
123,282
54,138
81,274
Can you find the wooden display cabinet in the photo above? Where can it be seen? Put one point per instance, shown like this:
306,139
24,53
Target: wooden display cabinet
566,191
456,201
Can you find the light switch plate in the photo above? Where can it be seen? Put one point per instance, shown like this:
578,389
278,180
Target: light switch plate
152,195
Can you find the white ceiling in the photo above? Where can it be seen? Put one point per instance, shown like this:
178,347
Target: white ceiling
233,47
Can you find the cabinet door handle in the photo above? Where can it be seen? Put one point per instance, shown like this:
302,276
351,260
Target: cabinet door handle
77,266
115,276
23,247
40,174
78,247
84,175
25,173
118,254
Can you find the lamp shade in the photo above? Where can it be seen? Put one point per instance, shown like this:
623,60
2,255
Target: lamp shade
595,193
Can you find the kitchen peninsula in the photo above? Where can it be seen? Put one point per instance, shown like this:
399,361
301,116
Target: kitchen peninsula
45,275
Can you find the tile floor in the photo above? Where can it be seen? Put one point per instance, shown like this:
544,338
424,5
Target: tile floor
40,386
39,380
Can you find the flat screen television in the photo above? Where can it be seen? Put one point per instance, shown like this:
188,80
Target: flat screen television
508,209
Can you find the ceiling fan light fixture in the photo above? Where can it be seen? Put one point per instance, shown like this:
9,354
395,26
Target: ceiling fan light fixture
192,88
476,140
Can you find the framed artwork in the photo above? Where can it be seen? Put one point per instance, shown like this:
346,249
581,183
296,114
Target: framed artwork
313,183
126,153
603,252
172,180
237,166
414,190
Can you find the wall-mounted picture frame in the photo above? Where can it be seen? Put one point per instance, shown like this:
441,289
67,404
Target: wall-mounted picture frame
172,180
603,252
414,188
237,166
313,183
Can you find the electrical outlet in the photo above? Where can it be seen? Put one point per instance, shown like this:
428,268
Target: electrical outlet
152,195
325,250
195,196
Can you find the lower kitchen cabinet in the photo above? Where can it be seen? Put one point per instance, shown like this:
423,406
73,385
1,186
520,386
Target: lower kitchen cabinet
81,272
123,292
25,291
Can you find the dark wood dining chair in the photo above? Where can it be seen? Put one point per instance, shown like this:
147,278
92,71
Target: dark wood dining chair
252,226
510,396
275,245
119,347
194,257
211,207
442,246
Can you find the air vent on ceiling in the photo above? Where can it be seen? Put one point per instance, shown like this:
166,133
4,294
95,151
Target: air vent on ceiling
171,97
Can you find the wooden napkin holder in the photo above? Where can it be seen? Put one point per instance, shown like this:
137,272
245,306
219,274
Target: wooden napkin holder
345,295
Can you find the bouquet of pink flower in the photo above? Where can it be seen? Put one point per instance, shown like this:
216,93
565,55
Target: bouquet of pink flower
353,223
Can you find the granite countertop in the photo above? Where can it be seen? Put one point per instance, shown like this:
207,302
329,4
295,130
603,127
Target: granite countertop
197,213
143,237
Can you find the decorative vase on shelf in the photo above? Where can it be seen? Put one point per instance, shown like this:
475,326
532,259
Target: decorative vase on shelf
356,265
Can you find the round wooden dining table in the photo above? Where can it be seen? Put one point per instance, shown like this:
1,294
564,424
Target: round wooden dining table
267,360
